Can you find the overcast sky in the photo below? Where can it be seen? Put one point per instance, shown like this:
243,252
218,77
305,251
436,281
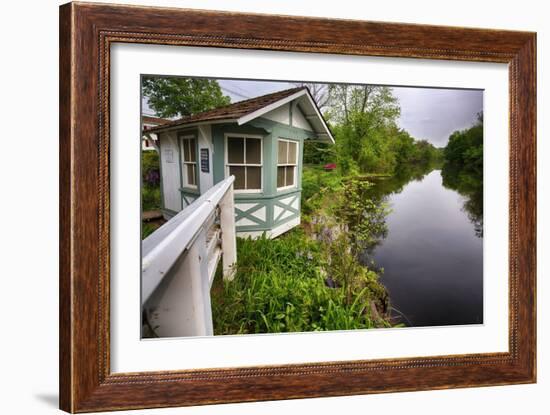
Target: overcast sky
426,113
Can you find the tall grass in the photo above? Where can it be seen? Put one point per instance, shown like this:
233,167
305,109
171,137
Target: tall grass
150,198
280,286
147,229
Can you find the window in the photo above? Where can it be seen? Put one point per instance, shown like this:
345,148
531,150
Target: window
287,160
189,162
244,161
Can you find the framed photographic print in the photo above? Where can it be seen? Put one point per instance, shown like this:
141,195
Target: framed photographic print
255,208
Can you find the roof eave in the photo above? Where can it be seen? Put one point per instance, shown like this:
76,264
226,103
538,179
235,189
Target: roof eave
327,131
161,129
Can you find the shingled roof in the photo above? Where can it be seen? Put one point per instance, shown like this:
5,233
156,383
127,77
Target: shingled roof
232,111
149,119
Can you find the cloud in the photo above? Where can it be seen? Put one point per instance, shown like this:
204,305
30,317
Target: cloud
431,114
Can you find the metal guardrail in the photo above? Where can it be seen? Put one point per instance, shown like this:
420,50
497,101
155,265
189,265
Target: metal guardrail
179,261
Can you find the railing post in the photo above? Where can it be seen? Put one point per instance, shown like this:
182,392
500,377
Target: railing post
182,301
179,260
229,237
202,296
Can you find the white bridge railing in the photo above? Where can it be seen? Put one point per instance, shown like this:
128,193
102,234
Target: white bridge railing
179,261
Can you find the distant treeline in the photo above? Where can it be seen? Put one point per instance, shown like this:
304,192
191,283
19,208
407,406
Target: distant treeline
401,150
463,170
465,148
363,120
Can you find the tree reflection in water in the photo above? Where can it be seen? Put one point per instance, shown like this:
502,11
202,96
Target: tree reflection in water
469,184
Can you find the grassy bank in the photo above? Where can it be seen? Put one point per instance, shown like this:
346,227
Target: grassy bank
317,182
280,286
308,279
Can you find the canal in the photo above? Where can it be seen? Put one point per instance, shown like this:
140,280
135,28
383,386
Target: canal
432,254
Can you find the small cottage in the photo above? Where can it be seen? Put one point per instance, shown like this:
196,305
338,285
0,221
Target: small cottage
260,141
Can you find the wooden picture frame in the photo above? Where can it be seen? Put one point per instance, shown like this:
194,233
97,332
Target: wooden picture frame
86,33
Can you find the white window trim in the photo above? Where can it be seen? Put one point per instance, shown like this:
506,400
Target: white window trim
185,180
261,165
295,165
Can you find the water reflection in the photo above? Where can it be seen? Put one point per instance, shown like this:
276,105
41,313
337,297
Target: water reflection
470,185
432,261
385,186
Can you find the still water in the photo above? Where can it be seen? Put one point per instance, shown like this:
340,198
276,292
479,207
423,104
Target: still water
432,255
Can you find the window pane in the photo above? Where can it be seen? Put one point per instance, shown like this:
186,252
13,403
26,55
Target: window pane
283,146
292,147
254,178
186,154
253,151
281,176
235,150
238,172
190,174
289,176
192,150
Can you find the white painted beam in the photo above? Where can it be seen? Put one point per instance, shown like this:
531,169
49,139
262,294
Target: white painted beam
162,248
229,236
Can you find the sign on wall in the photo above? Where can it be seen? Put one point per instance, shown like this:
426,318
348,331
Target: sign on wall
205,161
169,156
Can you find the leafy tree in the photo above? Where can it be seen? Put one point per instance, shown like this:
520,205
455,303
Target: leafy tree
363,116
368,140
319,92
318,153
465,148
363,225
376,102
179,97
463,170
363,216
403,145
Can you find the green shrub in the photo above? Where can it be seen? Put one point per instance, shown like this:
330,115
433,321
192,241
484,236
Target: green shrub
149,161
279,286
319,153
147,229
150,188
364,217
315,181
150,198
